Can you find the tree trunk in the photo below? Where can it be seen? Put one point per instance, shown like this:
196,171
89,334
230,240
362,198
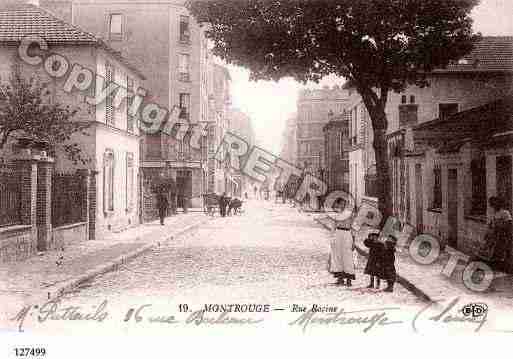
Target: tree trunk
382,170
376,108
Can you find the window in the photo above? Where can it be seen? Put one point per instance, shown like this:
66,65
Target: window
130,174
116,27
403,99
437,188
183,67
153,146
478,170
185,35
408,115
446,110
412,99
108,181
109,110
185,104
129,118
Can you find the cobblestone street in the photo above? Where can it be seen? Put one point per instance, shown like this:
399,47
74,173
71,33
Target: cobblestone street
271,254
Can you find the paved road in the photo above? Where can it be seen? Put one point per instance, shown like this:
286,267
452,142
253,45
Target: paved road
272,254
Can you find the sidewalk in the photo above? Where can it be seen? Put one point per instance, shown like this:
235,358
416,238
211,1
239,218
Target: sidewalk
428,282
40,278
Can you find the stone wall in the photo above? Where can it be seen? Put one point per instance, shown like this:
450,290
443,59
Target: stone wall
17,243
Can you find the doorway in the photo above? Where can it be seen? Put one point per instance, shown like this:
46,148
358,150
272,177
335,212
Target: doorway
503,168
452,207
184,188
419,201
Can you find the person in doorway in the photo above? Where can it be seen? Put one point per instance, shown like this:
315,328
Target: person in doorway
340,263
499,236
162,206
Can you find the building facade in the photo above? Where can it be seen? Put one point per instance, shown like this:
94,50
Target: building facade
335,171
447,146
109,200
219,180
241,125
289,141
362,165
313,108
162,38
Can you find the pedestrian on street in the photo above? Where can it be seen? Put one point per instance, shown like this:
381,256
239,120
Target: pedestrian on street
222,204
497,249
374,262
340,263
162,206
388,271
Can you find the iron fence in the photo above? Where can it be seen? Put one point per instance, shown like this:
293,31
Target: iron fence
10,196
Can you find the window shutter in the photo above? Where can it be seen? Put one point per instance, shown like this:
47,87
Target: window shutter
109,111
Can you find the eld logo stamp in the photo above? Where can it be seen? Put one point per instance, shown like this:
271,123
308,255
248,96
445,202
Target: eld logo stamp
475,310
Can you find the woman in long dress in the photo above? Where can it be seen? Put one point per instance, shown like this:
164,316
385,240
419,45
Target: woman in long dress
341,264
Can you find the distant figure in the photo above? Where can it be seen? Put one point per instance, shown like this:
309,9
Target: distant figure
246,195
256,190
162,206
222,204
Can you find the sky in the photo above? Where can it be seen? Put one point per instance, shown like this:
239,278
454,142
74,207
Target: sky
269,103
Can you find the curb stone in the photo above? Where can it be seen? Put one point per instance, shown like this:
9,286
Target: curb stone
400,279
113,265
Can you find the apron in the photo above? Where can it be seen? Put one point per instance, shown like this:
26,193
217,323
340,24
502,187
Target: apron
341,254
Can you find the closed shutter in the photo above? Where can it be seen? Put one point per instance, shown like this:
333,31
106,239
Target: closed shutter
109,110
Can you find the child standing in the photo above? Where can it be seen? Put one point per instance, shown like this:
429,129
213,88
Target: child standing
374,265
388,272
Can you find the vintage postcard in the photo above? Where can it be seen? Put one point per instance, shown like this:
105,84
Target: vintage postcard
188,171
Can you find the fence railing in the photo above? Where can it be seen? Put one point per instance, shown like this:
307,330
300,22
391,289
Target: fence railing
10,196
68,196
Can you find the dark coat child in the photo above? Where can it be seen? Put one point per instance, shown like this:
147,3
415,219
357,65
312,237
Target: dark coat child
374,262
388,272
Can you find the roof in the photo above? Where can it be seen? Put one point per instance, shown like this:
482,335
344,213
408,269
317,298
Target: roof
491,53
478,123
18,21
